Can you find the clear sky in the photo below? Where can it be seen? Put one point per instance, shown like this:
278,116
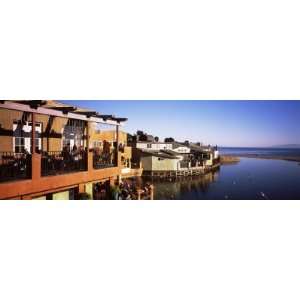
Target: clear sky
225,123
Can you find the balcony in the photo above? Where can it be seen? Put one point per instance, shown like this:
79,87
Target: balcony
61,162
102,159
14,166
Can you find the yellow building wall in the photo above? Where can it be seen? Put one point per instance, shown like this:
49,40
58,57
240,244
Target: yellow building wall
40,198
7,118
61,196
107,135
209,161
151,163
89,189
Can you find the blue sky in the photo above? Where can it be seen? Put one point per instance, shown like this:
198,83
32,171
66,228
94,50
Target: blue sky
225,123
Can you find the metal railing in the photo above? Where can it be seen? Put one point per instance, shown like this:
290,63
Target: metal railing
103,160
60,162
14,166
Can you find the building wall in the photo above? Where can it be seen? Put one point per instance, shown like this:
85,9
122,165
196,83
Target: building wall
127,155
153,163
7,118
89,189
154,146
209,162
108,135
182,149
61,196
216,154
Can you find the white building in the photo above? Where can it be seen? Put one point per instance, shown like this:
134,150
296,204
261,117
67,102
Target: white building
154,146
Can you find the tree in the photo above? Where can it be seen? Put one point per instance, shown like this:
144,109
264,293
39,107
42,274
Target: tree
141,136
156,139
169,140
139,132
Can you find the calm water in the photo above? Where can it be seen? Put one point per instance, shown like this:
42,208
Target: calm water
260,151
250,179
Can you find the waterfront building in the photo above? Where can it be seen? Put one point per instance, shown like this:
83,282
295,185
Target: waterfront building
50,150
172,158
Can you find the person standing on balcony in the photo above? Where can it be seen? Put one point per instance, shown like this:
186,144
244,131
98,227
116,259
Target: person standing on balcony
115,191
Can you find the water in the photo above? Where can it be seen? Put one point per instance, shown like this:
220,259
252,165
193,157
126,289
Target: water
261,151
251,178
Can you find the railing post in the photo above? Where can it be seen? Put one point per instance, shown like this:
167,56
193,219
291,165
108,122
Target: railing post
151,192
90,157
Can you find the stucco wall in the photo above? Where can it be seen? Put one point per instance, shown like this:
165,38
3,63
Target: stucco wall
7,117
89,189
153,163
61,196
182,149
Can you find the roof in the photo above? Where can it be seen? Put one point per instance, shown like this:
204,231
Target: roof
178,144
161,154
171,152
65,109
152,142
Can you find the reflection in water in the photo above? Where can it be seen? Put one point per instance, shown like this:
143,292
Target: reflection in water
185,185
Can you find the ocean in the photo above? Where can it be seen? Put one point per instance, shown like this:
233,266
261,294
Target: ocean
260,151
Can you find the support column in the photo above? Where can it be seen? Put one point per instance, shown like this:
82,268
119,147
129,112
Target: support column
151,192
118,156
33,133
89,156
35,157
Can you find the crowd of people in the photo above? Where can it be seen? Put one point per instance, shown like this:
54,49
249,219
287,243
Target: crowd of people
14,165
66,160
126,190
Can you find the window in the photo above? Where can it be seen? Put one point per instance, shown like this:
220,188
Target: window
97,144
22,136
149,146
19,145
37,144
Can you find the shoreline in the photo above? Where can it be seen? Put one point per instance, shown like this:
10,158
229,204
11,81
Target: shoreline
275,157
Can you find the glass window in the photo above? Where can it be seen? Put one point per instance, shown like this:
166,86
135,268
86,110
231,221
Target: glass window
19,144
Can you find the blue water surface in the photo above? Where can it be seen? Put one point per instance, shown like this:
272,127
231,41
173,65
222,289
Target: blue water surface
251,178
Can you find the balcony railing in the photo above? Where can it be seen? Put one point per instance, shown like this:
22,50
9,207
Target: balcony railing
14,166
60,162
103,160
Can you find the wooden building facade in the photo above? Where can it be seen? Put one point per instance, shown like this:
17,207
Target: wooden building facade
57,159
